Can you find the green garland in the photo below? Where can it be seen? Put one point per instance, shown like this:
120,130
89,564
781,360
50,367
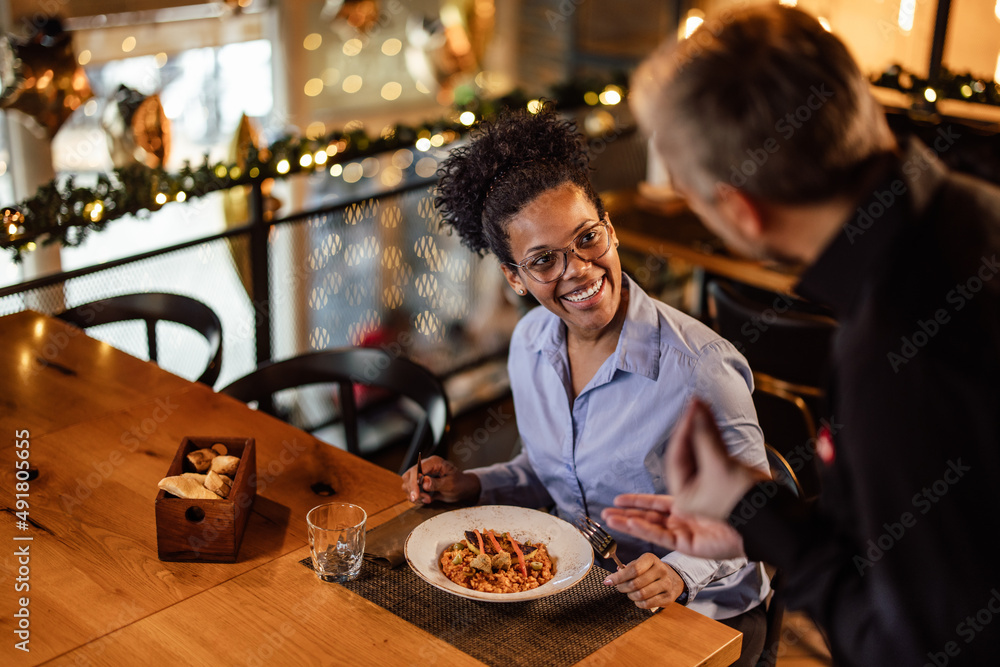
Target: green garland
62,212
952,86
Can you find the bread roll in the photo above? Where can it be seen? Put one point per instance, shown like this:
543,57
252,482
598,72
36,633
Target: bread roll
220,484
220,449
225,465
185,487
201,459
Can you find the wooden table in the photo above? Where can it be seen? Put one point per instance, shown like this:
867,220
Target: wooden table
103,430
672,230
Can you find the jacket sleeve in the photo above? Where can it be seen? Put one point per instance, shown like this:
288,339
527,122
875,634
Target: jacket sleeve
823,574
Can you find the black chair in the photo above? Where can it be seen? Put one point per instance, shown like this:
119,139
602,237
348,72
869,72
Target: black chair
151,308
782,473
786,343
347,368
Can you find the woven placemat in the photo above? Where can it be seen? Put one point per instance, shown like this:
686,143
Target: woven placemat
561,629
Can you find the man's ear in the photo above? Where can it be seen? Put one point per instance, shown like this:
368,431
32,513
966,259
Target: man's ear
742,210
513,279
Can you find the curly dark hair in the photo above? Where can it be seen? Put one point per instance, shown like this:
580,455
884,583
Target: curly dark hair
506,165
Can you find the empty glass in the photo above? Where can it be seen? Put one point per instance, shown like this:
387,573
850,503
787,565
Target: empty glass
337,540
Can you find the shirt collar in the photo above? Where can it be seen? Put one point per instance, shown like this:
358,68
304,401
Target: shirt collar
638,349
837,277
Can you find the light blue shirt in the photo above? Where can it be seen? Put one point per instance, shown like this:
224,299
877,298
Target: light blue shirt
579,454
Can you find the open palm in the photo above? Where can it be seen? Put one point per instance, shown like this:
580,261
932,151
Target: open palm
651,517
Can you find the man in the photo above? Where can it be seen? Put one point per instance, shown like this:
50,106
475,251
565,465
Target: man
769,129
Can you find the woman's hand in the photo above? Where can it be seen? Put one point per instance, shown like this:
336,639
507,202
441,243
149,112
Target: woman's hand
648,582
441,481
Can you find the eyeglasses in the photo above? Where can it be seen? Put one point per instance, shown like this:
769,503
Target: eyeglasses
545,267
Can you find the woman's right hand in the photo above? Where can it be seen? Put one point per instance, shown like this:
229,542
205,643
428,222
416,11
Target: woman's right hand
442,481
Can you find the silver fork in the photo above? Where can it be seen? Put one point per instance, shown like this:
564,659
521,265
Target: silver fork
599,538
602,542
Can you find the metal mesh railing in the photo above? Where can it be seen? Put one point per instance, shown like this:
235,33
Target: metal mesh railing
374,271
204,271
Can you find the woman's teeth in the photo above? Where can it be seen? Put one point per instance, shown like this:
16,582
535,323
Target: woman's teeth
586,294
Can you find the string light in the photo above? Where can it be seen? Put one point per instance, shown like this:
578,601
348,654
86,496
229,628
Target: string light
97,209
149,189
930,95
610,96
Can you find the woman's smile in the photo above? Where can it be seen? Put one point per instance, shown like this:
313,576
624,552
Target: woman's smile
586,296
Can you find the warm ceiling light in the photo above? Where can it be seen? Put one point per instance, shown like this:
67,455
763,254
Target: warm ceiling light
906,11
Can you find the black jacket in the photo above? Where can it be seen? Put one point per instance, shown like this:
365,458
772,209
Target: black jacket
899,561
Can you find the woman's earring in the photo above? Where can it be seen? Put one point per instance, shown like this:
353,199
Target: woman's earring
521,292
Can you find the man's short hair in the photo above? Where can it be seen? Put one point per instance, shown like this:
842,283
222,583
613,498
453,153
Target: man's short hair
764,99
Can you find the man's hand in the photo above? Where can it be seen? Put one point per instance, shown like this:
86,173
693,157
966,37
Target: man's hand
704,480
650,517
441,481
706,484
648,582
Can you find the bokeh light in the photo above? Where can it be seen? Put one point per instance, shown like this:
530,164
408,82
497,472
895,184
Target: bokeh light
314,87
402,158
391,47
392,90
352,84
426,167
353,172
352,47
312,41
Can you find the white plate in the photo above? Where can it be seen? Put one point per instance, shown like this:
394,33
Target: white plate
571,554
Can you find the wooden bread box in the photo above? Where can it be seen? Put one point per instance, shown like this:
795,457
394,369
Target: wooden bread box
207,530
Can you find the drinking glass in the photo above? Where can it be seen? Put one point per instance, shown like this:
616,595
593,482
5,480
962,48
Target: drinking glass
337,540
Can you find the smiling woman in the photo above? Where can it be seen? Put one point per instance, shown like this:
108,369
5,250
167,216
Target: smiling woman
600,374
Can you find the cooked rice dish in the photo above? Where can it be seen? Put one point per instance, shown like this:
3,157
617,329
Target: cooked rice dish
494,563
